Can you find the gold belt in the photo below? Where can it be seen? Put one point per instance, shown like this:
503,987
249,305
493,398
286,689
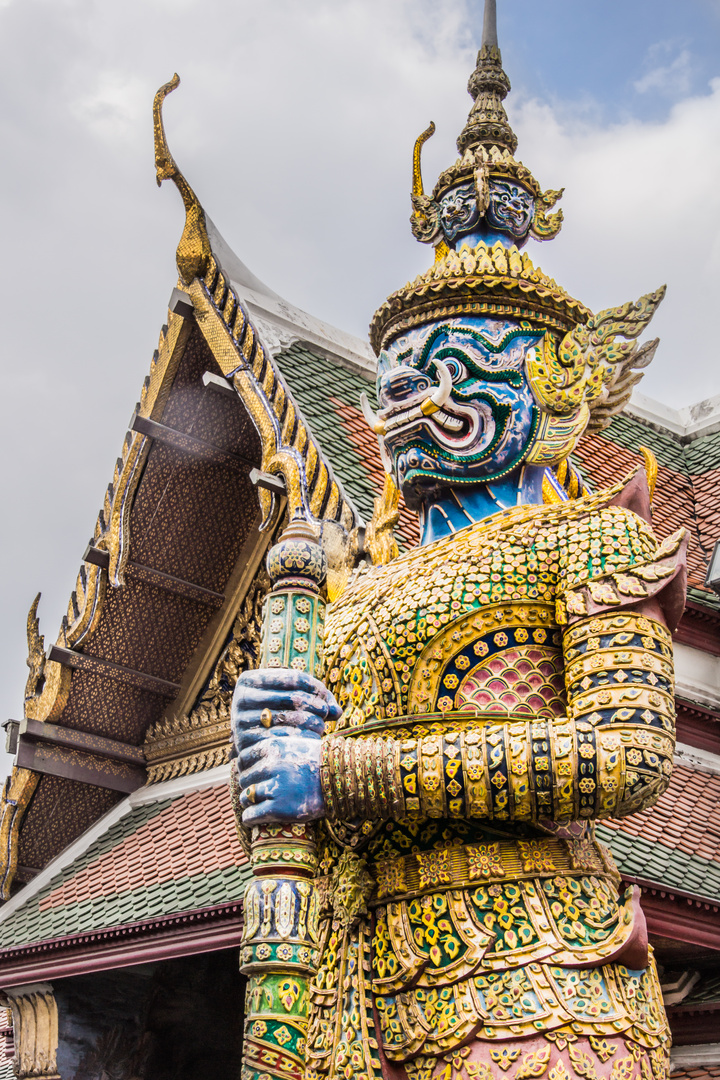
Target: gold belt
486,863
457,719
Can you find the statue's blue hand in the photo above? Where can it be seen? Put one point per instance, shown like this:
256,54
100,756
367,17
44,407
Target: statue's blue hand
294,698
280,779
279,765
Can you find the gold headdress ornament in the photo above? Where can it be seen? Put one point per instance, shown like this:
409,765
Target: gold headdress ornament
486,146
580,375
491,280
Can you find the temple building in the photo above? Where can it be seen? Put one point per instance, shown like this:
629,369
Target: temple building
121,868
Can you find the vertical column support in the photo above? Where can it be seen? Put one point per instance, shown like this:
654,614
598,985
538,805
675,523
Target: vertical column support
280,938
35,1030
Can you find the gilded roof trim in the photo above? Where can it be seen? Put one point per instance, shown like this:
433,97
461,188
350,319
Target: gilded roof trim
288,449
46,700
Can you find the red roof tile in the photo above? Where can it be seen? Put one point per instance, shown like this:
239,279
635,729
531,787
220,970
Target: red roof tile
365,443
686,817
680,498
192,834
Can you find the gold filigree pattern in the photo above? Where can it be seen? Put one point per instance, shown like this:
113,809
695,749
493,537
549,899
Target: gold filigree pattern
497,281
497,915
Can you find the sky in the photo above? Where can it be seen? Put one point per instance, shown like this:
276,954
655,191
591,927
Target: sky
294,123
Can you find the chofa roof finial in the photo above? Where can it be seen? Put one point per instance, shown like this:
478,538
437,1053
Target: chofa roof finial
488,125
194,249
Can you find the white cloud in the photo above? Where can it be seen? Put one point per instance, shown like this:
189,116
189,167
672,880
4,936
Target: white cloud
672,79
113,107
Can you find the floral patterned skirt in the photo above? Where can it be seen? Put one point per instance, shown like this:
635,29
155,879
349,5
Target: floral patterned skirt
521,979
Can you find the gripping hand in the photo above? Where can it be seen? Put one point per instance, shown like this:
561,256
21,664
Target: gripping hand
278,719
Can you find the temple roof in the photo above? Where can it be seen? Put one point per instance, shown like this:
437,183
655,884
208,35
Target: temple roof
162,871
166,859
158,586
193,516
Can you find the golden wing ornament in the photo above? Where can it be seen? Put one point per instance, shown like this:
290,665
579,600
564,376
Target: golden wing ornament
590,366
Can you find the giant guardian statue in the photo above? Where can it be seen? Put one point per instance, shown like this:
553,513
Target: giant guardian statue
479,701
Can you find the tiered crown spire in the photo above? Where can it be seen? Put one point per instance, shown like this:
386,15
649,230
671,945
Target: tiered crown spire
488,86
486,195
482,211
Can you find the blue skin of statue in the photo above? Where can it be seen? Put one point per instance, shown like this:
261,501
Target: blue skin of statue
280,766
283,762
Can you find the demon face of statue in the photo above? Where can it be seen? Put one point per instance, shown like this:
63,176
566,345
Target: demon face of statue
510,208
459,211
509,213
456,406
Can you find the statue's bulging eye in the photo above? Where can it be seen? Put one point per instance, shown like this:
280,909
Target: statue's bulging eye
456,369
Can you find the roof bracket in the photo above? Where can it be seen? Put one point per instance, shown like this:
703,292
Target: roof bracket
87,662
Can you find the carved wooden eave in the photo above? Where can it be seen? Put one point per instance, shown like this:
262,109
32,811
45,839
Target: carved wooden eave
177,547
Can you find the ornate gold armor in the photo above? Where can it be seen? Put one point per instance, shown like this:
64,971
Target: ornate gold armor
502,689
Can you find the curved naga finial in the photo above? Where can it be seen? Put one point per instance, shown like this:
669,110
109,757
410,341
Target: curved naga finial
194,250
36,651
425,218
417,180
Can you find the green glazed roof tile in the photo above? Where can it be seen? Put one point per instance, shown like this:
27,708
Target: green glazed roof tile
664,865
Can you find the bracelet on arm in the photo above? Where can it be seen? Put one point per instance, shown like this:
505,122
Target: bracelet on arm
360,779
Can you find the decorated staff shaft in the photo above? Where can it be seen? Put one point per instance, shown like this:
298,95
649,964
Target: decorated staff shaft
279,947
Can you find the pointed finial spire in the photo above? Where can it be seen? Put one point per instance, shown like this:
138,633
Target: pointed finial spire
488,125
490,24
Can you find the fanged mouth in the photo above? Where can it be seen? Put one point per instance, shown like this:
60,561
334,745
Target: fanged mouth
455,428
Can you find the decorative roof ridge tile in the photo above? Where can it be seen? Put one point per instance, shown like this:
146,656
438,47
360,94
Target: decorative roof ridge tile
686,424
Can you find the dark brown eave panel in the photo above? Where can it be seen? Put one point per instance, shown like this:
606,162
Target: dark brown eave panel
191,535
87,662
188,444
75,765
699,627
694,1028
184,934
76,755
150,576
698,726
34,731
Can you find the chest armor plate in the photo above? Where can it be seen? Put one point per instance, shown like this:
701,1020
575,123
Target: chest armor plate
465,626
